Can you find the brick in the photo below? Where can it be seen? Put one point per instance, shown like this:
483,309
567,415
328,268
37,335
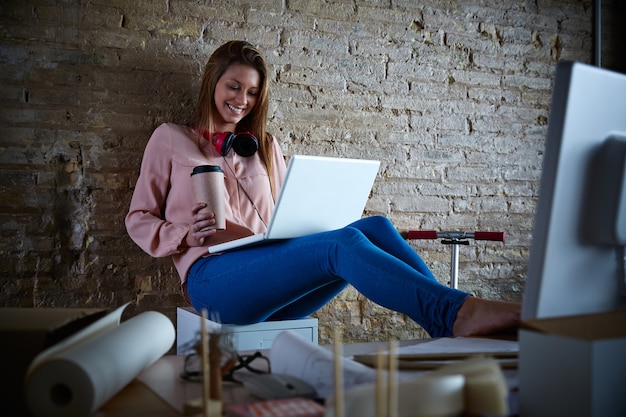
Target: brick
336,10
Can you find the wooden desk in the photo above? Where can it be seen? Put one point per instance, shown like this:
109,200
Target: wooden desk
137,400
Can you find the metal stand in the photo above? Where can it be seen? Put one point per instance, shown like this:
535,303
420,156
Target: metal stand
455,239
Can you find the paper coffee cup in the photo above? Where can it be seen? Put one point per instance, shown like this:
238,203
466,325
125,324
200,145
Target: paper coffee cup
208,187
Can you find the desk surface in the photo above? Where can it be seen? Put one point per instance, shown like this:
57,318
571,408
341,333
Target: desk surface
159,391
137,399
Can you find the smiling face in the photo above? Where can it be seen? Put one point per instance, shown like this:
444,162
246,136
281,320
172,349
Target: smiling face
236,94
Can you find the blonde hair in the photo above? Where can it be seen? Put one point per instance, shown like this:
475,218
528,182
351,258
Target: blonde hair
237,52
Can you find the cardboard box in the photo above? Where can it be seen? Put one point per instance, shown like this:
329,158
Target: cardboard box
248,337
573,366
25,332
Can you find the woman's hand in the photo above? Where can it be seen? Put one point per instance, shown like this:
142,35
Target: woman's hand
198,231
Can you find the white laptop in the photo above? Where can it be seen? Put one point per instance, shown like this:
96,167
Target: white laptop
319,194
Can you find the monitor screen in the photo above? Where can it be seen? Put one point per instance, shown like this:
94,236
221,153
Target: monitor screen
572,270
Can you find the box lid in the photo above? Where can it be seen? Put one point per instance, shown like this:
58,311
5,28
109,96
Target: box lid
610,325
47,326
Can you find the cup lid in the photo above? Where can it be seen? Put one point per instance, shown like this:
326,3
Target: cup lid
206,168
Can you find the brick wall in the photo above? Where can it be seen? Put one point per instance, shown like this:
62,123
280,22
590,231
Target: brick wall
451,96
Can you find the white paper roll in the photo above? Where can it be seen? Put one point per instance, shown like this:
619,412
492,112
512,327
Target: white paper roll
80,376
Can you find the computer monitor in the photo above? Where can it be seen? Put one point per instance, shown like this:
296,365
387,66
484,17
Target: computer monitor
576,263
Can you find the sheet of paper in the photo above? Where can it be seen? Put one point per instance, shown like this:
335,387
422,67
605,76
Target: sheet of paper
292,354
461,345
164,379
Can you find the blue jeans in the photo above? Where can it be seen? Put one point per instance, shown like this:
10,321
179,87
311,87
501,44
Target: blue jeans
296,277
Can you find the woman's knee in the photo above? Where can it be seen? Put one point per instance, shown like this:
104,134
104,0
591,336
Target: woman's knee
373,224
380,221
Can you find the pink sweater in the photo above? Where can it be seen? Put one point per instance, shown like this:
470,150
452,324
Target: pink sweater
159,216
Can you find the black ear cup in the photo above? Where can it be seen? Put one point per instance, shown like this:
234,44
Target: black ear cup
244,144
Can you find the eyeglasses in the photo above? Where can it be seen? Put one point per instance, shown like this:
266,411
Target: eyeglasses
192,367
246,362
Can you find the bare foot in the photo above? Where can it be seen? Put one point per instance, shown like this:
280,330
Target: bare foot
478,316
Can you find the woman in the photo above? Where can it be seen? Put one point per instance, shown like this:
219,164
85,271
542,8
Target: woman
289,279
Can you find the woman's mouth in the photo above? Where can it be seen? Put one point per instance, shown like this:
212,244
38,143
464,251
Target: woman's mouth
234,109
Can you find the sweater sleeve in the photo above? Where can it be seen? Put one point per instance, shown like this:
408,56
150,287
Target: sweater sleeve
145,221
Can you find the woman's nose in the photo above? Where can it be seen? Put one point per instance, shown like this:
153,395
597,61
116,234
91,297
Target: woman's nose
242,97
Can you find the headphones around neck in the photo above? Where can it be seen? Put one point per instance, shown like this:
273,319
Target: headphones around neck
244,144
